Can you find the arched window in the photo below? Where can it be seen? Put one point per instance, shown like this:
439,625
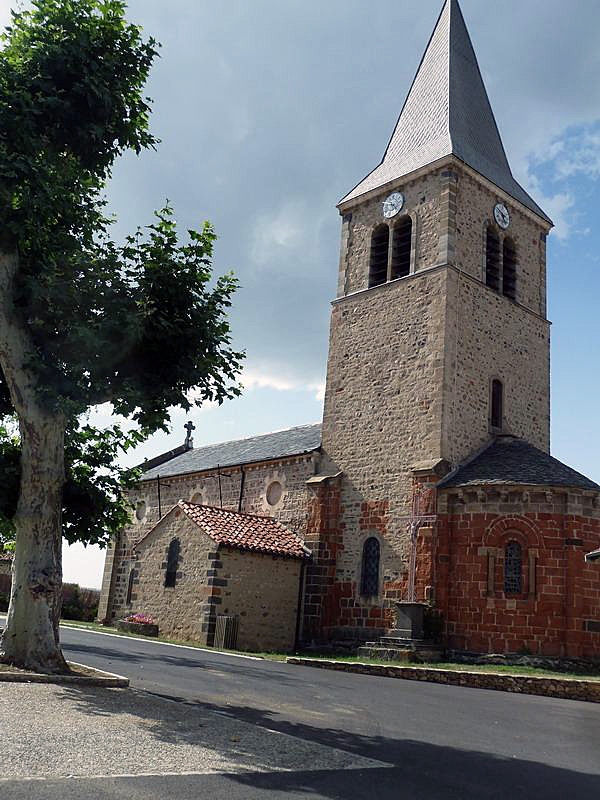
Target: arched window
497,405
378,267
492,260
130,586
172,563
401,248
509,269
369,583
513,568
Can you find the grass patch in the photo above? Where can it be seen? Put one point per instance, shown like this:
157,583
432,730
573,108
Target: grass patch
95,626
504,669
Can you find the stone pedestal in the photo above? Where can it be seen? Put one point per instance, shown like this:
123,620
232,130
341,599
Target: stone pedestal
409,619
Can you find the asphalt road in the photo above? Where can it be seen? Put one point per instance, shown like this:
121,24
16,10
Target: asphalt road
432,741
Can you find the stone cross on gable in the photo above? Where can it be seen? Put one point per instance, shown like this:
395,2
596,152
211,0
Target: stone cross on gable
189,442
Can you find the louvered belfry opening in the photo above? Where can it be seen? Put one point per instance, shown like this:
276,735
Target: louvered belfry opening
492,260
369,584
509,272
380,242
401,248
513,568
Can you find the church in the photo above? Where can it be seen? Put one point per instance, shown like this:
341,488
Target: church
430,482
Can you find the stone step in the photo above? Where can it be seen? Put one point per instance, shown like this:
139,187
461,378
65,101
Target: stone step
387,653
403,650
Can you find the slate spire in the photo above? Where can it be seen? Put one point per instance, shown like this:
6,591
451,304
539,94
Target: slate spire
447,111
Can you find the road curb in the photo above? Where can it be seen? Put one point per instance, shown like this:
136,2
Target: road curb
561,688
107,679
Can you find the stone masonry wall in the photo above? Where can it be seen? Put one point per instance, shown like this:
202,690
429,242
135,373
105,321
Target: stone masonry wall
181,610
383,414
263,591
558,611
489,336
290,510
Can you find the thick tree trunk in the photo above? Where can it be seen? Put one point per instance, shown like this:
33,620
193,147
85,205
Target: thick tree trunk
30,639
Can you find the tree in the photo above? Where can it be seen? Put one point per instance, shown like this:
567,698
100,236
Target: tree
95,505
84,320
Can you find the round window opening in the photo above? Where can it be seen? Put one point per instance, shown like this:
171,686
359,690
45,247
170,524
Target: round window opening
274,492
140,511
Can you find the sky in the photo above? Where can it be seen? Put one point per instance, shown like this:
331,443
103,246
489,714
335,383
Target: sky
270,111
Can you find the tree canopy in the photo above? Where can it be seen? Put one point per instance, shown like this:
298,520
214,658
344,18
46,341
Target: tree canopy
85,320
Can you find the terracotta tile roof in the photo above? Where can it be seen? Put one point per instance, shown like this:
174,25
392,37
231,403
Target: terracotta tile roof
242,531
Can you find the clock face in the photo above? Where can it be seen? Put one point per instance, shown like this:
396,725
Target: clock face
502,216
393,205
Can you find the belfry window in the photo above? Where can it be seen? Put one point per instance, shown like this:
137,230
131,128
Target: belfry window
497,405
509,270
492,260
172,563
513,568
401,248
378,267
369,582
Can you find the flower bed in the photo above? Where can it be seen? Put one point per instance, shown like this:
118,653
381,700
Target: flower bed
138,623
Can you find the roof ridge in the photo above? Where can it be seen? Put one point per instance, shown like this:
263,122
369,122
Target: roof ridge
229,511
258,435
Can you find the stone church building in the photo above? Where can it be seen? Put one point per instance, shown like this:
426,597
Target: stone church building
431,478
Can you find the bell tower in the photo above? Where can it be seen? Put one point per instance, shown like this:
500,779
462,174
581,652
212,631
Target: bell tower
439,338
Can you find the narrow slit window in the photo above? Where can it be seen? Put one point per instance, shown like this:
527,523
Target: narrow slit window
401,248
509,273
513,568
492,260
369,584
130,586
380,243
172,563
497,402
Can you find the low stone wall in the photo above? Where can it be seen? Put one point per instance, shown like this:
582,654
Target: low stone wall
143,628
563,688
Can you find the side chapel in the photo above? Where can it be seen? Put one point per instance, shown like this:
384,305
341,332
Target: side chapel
431,477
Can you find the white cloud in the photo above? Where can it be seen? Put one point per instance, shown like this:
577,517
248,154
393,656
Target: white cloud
573,153
271,378
576,153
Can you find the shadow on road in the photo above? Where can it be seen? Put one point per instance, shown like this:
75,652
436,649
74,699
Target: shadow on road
170,658
416,769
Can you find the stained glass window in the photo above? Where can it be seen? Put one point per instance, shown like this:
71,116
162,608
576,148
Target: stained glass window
513,568
172,563
370,568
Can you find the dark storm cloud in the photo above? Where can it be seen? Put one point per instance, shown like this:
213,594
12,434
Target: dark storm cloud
270,111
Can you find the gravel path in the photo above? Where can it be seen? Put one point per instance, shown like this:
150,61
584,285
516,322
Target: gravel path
52,732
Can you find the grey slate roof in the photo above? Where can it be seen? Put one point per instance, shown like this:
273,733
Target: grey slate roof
291,442
447,112
513,461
